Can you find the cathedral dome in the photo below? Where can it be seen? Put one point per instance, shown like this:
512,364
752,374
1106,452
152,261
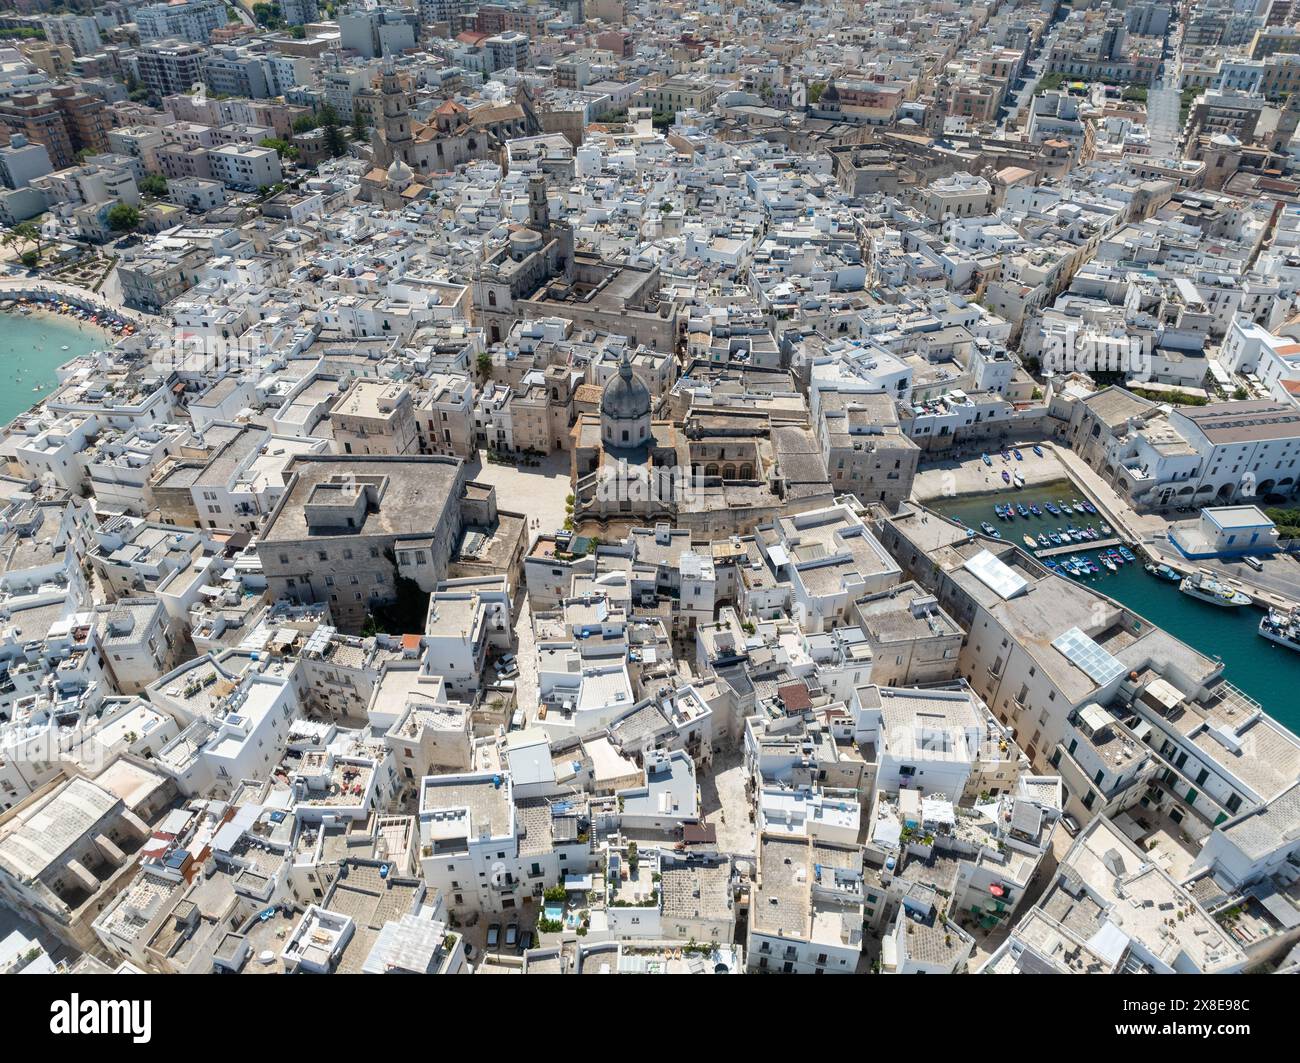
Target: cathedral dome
399,173
625,398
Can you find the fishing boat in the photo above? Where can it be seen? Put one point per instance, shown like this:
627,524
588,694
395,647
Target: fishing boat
1106,528
1035,510
1018,480
987,528
1022,511
1127,554
1043,540
1030,541
1108,563
1163,572
1282,628
1006,477
1019,456
1089,507
1006,454
1207,589
986,459
1052,508
1054,538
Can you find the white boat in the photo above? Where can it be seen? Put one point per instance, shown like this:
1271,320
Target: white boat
1282,628
1210,590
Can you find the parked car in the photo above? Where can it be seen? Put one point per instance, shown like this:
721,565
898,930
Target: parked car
525,941
512,934
494,935
1071,825
1254,563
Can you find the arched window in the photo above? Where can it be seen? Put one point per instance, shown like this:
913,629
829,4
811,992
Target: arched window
492,298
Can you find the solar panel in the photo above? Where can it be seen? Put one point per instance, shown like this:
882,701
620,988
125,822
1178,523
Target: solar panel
1086,655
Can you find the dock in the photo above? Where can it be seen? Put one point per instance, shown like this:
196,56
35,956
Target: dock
1076,548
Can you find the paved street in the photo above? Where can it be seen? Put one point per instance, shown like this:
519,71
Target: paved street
1278,584
1162,120
1164,102
1033,72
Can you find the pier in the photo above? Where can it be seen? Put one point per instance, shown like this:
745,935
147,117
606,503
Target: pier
1075,548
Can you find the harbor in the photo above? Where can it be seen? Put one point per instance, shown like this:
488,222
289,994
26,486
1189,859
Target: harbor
1265,670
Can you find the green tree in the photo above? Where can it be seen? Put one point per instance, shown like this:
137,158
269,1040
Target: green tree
287,151
28,232
360,127
305,123
123,218
335,143
268,15
484,363
154,184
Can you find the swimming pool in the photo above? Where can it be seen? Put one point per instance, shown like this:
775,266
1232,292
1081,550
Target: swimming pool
554,911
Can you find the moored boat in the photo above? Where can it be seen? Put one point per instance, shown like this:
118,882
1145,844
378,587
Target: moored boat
1207,589
1282,628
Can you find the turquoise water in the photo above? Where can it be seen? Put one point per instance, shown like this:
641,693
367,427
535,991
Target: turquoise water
1266,671
31,349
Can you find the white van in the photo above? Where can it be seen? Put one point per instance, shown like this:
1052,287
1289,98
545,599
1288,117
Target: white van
1253,562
